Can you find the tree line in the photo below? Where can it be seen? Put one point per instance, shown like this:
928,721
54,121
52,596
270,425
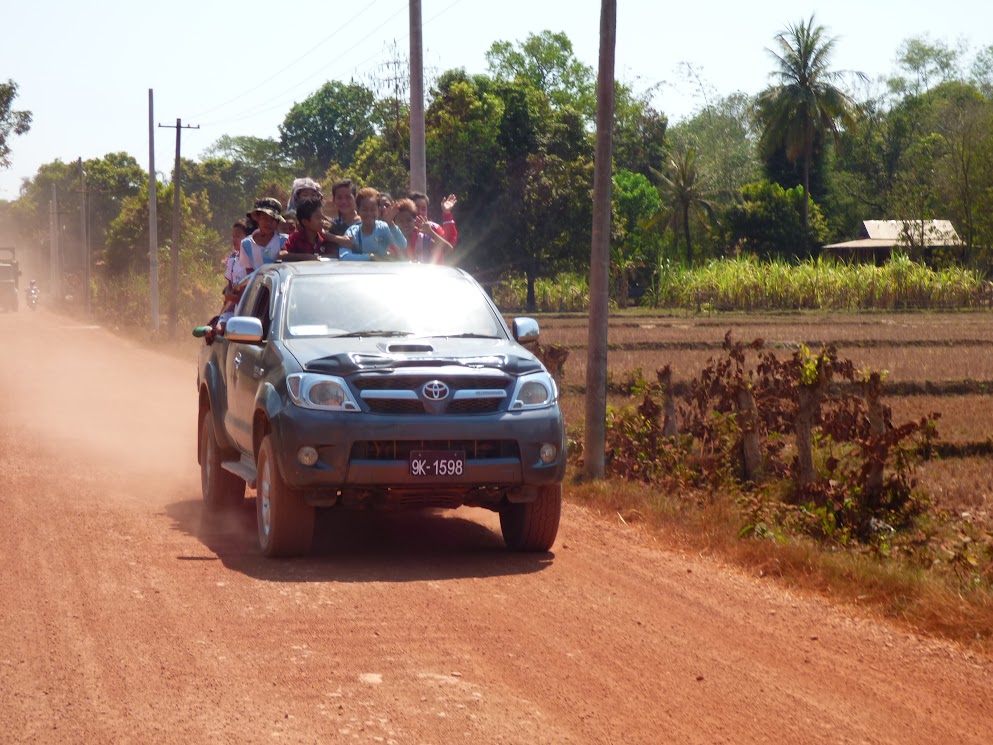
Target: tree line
775,175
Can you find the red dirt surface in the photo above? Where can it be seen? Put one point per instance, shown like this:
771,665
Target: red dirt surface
126,617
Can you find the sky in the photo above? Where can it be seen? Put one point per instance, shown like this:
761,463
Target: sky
237,67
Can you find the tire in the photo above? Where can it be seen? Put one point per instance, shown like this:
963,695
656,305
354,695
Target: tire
533,526
221,490
286,522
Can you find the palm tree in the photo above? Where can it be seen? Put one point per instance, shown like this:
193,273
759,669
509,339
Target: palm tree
687,190
805,104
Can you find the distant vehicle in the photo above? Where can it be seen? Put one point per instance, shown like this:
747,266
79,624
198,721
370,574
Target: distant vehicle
379,385
32,295
9,277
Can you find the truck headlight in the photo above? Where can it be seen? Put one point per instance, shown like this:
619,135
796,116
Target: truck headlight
534,392
324,392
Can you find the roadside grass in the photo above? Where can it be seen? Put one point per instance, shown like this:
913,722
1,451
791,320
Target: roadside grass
927,601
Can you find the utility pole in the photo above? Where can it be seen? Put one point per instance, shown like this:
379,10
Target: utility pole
418,159
176,178
153,235
596,351
53,255
84,228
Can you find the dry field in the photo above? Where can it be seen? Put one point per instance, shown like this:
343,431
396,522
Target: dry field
948,351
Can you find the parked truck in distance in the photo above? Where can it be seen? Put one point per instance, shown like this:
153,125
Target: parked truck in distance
10,274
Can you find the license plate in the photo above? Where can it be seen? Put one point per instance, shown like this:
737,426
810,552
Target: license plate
437,464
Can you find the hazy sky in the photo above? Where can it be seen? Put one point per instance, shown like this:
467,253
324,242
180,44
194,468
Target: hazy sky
84,68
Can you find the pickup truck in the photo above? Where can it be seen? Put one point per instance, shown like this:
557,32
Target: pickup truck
378,385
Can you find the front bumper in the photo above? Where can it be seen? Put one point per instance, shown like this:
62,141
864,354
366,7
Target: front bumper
371,451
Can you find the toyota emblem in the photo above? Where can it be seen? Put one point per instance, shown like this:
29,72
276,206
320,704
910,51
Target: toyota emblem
435,390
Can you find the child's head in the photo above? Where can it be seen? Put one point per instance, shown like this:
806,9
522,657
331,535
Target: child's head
239,231
301,189
406,211
367,205
385,200
420,200
289,223
343,194
309,214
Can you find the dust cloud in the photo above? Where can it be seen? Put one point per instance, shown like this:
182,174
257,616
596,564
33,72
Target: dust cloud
130,411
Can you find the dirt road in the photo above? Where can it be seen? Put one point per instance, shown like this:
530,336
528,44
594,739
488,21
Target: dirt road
124,617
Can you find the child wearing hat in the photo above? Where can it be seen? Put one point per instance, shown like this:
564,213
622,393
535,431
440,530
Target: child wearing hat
264,245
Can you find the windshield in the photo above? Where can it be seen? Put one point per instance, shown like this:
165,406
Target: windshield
388,305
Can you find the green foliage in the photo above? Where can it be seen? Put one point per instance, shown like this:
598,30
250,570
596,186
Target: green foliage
748,284
766,221
12,122
328,126
639,131
806,105
547,62
567,291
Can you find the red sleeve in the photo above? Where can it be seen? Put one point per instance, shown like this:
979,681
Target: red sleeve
448,229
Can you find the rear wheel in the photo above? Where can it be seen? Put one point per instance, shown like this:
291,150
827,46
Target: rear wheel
534,525
286,522
221,489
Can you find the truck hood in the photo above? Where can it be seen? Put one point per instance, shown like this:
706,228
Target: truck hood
345,356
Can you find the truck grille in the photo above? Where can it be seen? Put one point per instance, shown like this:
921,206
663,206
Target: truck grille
400,395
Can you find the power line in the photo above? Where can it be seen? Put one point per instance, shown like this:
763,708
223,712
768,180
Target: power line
248,113
279,72
281,102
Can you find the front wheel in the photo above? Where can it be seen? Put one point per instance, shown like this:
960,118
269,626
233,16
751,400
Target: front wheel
534,525
286,522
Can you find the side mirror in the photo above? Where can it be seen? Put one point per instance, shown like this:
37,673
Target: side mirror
244,329
525,330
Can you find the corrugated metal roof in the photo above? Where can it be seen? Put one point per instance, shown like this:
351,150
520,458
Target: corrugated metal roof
922,232
864,243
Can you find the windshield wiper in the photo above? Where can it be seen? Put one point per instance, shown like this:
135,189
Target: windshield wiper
373,332
467,335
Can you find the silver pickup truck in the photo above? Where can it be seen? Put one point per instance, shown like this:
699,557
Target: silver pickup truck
384,385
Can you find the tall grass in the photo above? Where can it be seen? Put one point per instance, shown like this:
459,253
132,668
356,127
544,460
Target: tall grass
748,284
816,284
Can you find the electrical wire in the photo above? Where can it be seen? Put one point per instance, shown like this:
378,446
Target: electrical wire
281,101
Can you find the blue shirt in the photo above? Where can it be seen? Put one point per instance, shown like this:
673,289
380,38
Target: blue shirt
379,241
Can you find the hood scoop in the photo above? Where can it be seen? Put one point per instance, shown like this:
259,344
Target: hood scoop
409,348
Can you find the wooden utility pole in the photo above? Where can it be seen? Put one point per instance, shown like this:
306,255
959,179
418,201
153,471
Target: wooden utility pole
174,273
84,238
53,235
418,159
596,354
153,236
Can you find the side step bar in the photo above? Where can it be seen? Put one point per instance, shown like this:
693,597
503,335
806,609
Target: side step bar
243,469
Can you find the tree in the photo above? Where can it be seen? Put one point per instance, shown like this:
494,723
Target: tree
636,201
765,221
639,131
806,104
260,161
11,122
328,126
723,140
687,192
547,62
927,63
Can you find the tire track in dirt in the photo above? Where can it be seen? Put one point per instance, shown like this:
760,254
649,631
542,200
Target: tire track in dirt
125,616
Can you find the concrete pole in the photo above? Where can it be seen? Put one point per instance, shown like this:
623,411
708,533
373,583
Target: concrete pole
85,245
596,354
53,260
418,158
174,269
153,238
